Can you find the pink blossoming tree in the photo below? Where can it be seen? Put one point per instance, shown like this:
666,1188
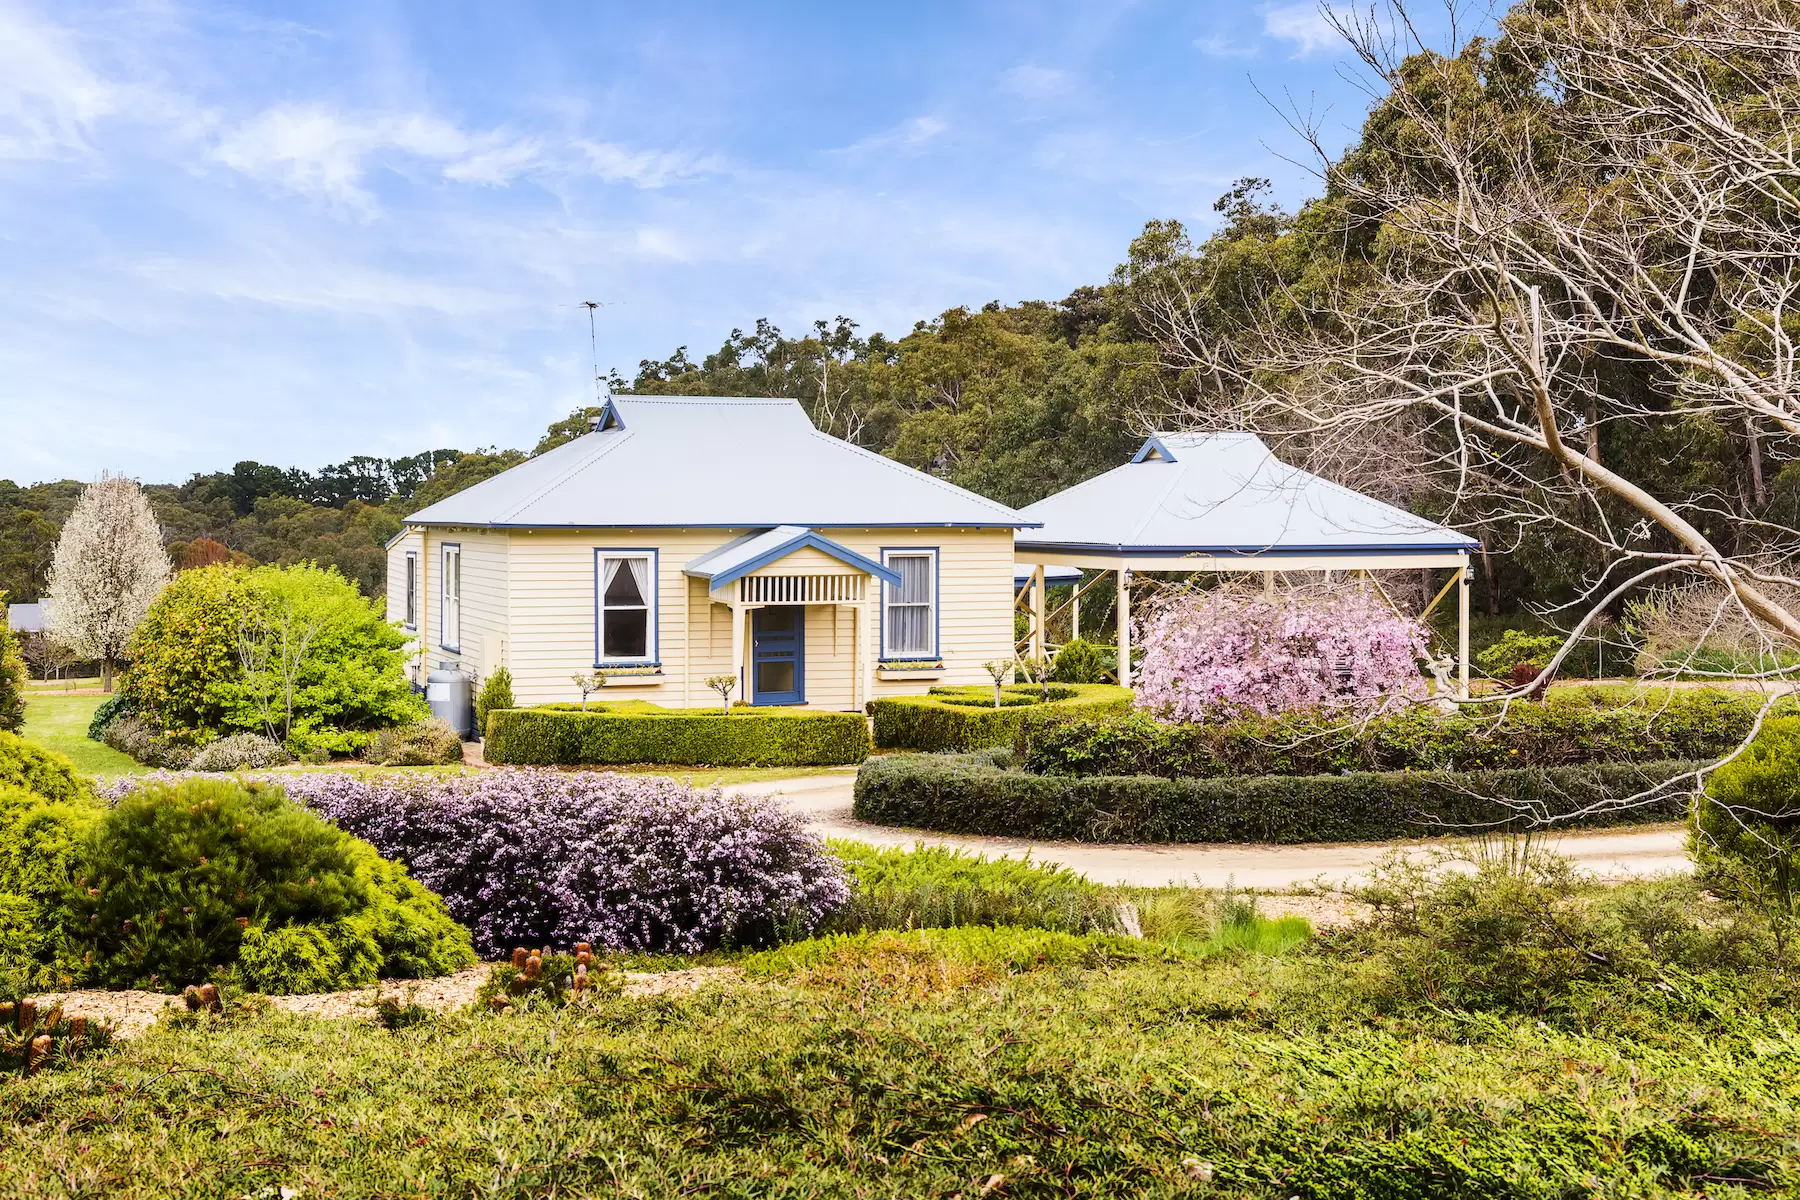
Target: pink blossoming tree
1230,652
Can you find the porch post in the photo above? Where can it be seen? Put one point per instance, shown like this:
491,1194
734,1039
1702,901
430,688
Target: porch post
1039,642
1462,628
1124,639
1075,611
737,648
866,645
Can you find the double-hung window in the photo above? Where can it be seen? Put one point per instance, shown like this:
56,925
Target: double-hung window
412,590
625,620
450,594
909,611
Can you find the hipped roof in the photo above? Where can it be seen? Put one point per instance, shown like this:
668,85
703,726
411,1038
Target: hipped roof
1224,494
712,461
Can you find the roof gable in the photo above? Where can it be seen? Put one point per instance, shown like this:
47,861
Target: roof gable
754,551
712,461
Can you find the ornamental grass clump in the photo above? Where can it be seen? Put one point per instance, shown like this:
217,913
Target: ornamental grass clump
627,863
1230,652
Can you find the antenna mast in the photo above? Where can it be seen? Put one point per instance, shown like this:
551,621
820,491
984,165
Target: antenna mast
594,347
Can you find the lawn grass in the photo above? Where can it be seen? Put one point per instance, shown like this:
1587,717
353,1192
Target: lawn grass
897,1065
59,722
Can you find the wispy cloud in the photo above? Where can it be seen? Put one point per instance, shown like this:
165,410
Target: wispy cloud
49,96
1028,81
1306,26
909,134
1221,45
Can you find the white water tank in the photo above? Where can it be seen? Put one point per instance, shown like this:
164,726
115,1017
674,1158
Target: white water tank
451,696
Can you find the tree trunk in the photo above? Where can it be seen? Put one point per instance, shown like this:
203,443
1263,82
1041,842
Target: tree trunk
106,675
1757,491
1490,586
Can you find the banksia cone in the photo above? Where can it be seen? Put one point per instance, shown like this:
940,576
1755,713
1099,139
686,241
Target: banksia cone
534,966
583,957
6,1013
40,1050
243,922
190,996
78,1026
27,1015
209,996
583,948
518,958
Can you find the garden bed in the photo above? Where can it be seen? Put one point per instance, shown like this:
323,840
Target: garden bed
642,733
980,793
965,718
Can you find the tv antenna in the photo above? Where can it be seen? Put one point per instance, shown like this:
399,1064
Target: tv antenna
593,306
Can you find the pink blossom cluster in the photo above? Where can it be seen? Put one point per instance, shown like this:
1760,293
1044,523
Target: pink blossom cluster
1226,653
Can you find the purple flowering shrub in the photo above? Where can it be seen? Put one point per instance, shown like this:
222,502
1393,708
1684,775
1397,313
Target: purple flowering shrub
642,863
1231,653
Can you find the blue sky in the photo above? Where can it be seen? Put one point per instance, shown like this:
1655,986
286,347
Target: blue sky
302,231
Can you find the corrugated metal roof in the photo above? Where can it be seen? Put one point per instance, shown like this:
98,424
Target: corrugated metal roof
754,551
723,462
1224,494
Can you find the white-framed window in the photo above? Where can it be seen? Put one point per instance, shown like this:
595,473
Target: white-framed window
450,593
624,606
909,616
412,590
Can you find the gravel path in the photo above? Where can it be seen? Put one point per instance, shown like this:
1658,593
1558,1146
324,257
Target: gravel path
826,799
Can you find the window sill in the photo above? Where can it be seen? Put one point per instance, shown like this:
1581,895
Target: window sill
632,676
899,669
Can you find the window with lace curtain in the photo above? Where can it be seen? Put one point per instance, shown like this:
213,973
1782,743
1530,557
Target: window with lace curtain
625,594
909,611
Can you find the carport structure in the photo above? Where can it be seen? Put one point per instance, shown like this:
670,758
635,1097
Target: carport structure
1222,503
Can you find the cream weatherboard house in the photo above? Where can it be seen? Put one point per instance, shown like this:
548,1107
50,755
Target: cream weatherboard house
691,537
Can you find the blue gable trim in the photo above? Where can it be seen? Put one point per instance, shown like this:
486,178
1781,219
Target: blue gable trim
822,544
608,418
1152,444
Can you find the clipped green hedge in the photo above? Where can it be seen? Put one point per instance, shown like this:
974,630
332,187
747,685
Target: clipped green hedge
676,737
1586,726
969,793
964,718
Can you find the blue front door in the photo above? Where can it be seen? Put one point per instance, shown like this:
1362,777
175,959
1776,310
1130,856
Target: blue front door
778,655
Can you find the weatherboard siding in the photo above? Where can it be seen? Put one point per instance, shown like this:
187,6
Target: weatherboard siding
528,601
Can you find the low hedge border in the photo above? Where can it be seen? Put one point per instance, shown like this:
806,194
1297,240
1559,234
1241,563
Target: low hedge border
976,794
956,718
673,737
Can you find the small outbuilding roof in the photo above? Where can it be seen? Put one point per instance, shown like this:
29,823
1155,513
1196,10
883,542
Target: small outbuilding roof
1224,495
754,551
712,461
25,618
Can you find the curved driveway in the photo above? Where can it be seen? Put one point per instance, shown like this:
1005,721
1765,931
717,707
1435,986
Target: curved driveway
826,800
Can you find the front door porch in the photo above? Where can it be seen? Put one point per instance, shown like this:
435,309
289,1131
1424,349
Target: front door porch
778,654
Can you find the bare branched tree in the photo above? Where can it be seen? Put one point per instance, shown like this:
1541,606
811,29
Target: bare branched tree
1619,248
272,648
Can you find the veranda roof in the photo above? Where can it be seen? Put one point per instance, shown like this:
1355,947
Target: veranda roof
754,551
1223,496
710,461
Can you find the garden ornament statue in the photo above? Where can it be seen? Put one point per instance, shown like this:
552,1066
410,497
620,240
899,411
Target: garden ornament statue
1440,669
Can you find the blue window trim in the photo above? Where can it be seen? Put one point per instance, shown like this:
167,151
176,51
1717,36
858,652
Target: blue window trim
937,608
444,577
412,592
655,605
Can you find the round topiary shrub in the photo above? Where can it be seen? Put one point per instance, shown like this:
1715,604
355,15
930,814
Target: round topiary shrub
1745,832
240,752
626,862
1078,662
45,772
178,879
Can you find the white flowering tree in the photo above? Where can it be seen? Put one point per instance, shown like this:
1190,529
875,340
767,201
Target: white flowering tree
109,566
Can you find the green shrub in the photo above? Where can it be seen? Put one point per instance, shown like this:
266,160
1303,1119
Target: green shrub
427,743
189,682
40,840
134,738
1565,731
119,704
27,765
1517,647
240,752
964,718
176,878
969,794
12,676
676,737
496,694
1745,832
930,887
1078,662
